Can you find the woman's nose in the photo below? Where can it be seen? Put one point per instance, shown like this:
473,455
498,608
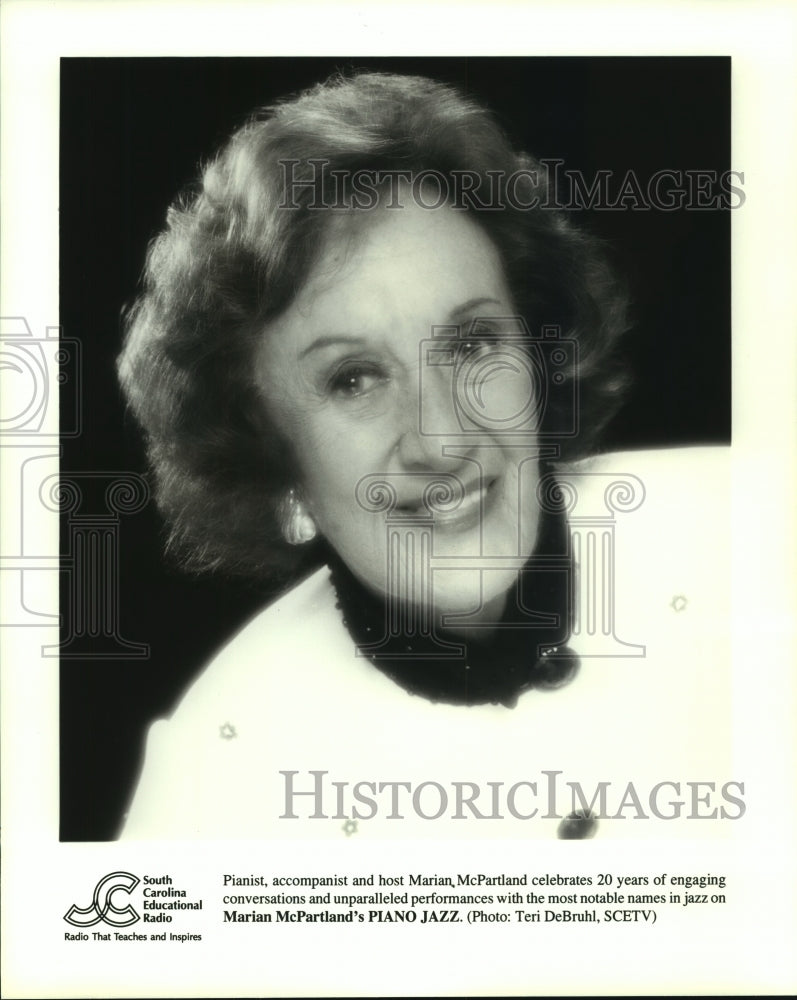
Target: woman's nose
427,418
418,451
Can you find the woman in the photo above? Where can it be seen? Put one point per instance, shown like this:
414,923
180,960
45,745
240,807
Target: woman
369,356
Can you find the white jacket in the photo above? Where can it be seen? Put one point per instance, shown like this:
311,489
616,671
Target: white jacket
289,693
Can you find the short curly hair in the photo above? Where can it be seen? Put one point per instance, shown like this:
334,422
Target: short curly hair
232,257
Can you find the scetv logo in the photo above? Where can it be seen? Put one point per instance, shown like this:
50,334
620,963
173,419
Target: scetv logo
103,908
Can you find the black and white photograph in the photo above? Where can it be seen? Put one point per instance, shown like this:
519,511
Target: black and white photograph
438,427
396,493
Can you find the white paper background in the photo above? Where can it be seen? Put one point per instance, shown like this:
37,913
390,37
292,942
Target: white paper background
746,946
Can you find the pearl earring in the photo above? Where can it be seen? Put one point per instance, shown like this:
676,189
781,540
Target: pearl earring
298,527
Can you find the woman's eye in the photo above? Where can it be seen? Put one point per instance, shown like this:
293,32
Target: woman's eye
480,339
353,381
473,348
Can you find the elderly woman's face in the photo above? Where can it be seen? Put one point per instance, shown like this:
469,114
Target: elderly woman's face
348,375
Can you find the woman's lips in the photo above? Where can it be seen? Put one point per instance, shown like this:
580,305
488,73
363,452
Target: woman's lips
469,512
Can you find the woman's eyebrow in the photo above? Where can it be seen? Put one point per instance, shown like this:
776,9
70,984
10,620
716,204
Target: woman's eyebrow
334,340
471,304
331,340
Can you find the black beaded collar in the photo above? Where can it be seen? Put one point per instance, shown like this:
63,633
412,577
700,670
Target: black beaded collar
527,651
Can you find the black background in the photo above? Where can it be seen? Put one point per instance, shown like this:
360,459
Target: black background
132,134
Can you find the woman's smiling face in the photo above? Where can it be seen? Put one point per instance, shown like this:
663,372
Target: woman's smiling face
350,379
